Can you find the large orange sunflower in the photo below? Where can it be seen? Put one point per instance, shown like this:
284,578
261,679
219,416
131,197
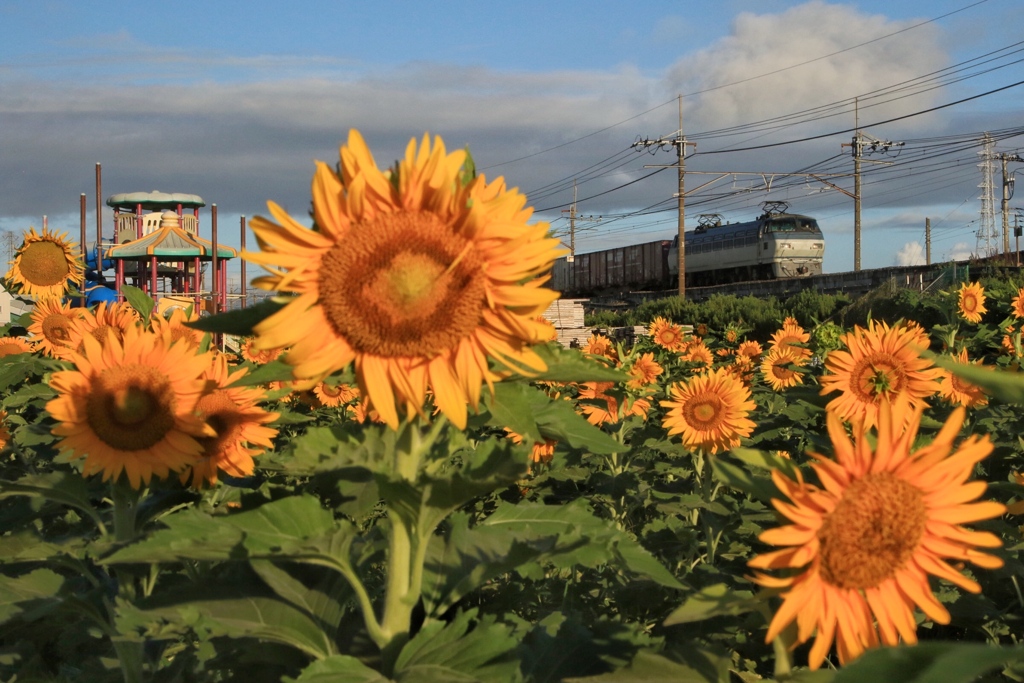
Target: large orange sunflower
863,544
260,357
791,336
334,395
130,407
233,413
52,323
959,391
416,276
709,411
1017,305
777,369
113,318
600,345
971,302
44,265
10,346
175,326
879,362
644,371
666,334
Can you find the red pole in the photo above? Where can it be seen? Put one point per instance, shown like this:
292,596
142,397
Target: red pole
242,288
214,280
99,220
85,250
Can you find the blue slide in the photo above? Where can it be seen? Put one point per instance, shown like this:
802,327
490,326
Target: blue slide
96,288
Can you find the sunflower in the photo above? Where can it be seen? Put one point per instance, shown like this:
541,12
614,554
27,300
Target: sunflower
5,432
1011,342
971,302
600,345
878,362
777,369
234,416
130,407
254,355
643,372
791,336
600,408
175,325
415,275
1017,305
863,544
11,346
710,411
958,391
666,334
750,349
334,395
44,265
699,353
51,328
106,319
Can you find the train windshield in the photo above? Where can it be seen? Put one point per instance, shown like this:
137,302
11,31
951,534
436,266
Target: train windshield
793,224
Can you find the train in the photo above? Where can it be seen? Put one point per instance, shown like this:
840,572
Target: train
775,245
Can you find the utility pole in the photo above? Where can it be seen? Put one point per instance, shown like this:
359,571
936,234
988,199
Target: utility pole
863,143
573,217
1007,193
927,241
679,142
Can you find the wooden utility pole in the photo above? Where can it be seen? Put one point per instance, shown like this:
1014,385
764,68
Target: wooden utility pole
573,217
680,143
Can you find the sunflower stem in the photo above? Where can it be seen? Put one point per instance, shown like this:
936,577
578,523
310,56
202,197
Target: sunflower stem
406,546
126,506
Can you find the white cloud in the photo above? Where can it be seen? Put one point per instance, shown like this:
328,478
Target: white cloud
912,254
961,251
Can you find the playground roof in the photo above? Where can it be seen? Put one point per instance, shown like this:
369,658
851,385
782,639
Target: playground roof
169,243
154,200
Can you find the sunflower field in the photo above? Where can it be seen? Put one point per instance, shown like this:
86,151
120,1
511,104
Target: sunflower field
400,476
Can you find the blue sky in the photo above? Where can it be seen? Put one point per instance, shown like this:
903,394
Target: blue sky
233,101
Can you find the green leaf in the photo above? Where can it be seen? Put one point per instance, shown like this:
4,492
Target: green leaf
254,617
560,420
582,538
530,412
324,601
340,668
651,667
765,461
929,663
761,488
274,371
64,488
467,649
468,558
713,601
139,300
570,365
292,526
241,321
29,393
27,592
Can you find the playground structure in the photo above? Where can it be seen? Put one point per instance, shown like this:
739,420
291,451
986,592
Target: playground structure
156,247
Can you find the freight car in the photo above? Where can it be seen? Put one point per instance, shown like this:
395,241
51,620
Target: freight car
775,245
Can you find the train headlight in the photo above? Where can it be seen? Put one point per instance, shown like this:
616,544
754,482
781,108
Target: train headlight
785,245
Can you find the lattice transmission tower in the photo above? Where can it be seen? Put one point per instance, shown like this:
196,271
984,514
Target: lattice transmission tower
987,237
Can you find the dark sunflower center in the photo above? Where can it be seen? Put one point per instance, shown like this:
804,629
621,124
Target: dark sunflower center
100,334
10,349
130,407
221,414
704,412
780,369
970,304
872,532
44,264
56,329
877,375
404,285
